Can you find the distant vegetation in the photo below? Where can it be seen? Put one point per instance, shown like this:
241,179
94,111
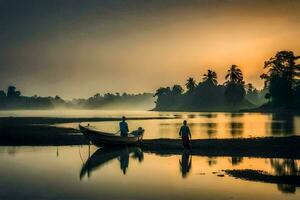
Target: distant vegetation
208,95
12,99
281,90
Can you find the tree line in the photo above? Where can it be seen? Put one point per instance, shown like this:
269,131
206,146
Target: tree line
281,89
13,99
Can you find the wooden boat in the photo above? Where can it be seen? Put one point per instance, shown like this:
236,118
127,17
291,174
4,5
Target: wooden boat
101,139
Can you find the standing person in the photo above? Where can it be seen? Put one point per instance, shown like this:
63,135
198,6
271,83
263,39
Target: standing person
124,127
185,134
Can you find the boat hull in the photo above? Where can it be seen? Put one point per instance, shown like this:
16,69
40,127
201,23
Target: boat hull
102,139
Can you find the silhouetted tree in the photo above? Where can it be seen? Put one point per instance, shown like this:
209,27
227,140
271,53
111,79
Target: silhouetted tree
250,88
283,73
210,77
234,75
12,93
235,91
190,84
162,91
2,94
177,90
163,94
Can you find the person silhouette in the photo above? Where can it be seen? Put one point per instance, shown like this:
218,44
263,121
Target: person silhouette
185,135
124,127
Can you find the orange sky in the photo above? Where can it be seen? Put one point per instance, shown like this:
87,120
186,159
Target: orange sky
136,46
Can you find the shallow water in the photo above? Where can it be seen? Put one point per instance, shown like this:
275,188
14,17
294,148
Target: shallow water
74,173
202,124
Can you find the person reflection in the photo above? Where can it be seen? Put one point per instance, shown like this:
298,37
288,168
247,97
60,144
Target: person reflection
124,160
185,163
124,157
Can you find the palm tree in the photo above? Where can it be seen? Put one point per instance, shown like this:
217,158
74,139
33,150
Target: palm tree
250,88
234,75
234,91
210,77
190,84
177,90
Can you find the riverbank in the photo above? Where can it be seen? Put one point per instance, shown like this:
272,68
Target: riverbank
47,135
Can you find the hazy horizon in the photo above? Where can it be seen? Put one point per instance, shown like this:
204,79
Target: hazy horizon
79,48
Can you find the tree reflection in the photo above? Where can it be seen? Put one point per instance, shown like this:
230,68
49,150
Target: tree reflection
212,161
208,115
185,163
286,167
210,129
235,128
282,124
236,160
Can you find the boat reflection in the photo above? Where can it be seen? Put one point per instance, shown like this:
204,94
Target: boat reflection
105,155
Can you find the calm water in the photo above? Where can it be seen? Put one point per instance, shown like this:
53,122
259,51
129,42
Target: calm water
203,125
79,173
70,173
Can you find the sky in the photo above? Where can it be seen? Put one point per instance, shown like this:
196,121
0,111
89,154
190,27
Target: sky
81,47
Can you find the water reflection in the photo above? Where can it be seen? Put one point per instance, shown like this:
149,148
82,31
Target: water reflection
286,167
210,129
236,160
285,174
58,178
185,163
105,155
236,129
212,161
282,124
211,125
235,115
208,115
